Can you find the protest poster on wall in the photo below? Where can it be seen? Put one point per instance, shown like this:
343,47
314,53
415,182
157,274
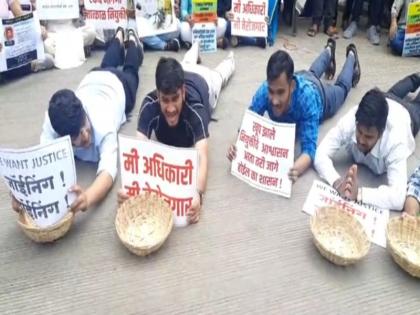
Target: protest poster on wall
169,172
154,17
57,9
373,219
265,154
20,41
204,11
105,16
249,18
412,32
40,177
206,34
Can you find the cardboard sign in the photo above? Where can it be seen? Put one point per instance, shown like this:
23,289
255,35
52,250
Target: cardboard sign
57,9
204,11
206,34
373,219
265,154
412,32
249,18
155,17
169,172
20,41
40,177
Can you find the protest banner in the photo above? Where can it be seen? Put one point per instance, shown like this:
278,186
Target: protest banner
169,172
206,34
373,219
249,18
204,11
412,32
57,9
105,16
40,177
265,154
155,17
20,41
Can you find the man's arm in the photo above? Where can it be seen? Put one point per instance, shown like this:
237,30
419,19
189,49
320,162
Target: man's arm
202,148
16,8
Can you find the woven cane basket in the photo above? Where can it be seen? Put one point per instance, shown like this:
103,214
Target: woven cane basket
143,223
338,235
403,238
45,235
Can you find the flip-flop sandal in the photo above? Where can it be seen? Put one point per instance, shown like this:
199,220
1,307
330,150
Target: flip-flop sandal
330,72
356,69
332,32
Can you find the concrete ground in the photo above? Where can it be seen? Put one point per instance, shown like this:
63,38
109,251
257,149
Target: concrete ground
251,252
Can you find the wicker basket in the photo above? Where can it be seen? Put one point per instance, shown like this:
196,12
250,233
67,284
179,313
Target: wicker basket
339,236
45,235
403,238
143,223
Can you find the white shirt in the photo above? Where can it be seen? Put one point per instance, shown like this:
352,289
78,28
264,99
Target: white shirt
389,155
103,98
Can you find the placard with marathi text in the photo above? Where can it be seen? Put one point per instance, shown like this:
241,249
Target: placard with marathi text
249,18
204,11
105,15
412,31
206,34
57,9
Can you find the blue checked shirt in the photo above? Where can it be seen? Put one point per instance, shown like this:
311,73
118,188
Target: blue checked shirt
306,111
413,188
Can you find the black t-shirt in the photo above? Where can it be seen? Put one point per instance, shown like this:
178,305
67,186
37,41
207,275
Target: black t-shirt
193,121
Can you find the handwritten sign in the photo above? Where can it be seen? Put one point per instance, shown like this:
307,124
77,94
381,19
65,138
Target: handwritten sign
40,177
57,9
21,41
373,219
155,17
412,32
249,18
264,154
205,34
169,172
105,16
204,11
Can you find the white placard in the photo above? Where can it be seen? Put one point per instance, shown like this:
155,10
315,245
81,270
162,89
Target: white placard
57,9
169,172
373,219
249,18
265,154
20,41
155,17
40,177
206,34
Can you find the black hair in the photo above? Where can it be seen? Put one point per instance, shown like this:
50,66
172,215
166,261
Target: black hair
169,75
66,113
373,110
280,62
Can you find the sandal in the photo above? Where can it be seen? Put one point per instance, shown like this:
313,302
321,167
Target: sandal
330,72
312,31
332,31
356,69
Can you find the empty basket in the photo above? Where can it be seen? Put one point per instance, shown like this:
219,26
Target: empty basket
338,236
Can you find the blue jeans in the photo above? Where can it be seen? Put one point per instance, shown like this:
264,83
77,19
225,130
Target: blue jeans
334,94
158,42
397,43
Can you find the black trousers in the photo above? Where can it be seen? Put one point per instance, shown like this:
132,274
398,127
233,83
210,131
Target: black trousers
323,9
400,90
376,7
129,75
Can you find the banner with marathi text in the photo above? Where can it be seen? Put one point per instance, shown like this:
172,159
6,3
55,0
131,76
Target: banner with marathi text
206,34
204,11
249,18
57,9
412,31
265,154
169,172
373,219
40,177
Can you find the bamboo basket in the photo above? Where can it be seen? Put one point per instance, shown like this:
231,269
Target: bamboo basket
143,223
403,239
338,235
44,235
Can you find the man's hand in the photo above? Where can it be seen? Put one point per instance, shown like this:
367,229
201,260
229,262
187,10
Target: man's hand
82,202
16,205
193,212
229,16
411,207
122,196
44,33
393,29
231,154
351,186
293,174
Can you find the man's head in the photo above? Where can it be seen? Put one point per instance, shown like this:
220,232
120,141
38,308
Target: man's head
280,70
371,119
170,88
68,117
8,33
